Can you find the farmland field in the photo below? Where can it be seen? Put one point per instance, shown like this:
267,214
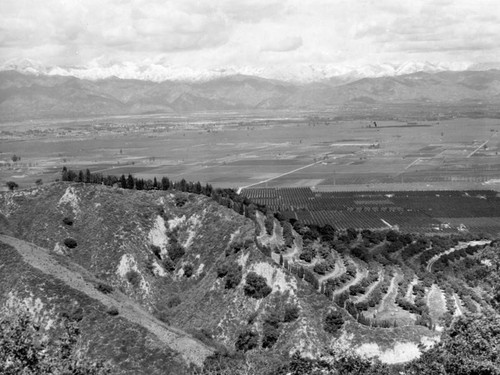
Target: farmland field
411,211
261,150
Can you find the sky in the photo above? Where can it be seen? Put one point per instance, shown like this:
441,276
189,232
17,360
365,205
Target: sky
263,37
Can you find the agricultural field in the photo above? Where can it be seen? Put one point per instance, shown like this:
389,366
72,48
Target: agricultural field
448,211
244,150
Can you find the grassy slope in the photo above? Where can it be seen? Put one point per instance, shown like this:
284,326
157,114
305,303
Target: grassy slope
130,347
110,223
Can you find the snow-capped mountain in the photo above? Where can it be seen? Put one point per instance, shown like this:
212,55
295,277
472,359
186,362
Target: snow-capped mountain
303,73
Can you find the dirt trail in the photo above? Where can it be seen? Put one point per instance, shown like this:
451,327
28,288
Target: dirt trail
338,271
373,285
360,275
458,306
191,350
409,292
437,304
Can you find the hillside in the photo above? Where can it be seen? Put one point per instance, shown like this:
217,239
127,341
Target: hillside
189,278
39,96
122,240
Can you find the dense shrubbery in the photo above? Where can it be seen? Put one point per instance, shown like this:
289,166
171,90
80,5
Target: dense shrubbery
291,314
233,277
307,254
333,322
188,270
24,350
271,329
256,286
247,340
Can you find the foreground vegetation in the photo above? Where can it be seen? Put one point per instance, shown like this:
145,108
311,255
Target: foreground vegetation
347,275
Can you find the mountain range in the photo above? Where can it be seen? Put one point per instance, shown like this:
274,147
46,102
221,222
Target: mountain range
30,96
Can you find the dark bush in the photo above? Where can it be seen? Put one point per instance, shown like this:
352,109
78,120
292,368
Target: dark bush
269,224
68,221
113,311
70,243
333,322
291,313
307,254
247,340
156,251
180,201
188,270
12,185
223,269
168,264
270,336
104,288
233,277
176,252
133,278
321,268
256,286
392,235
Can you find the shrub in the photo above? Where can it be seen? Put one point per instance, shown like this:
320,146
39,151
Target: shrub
24,348
156,251
12,185
321,268
291,313
113,311
180,201
270,336
307,254
68,221
223,269
70,243
104,288
333,322
256,286
176,252
133,278
247,340
188,270
168,264
173,302
269,224
233,277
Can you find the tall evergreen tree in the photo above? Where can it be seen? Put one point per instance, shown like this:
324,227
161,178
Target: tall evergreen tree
165,183
130,182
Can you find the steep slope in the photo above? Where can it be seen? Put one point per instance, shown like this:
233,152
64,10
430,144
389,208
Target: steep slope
78,279
124,239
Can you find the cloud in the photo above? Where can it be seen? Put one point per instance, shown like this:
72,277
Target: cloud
256,35
287,44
